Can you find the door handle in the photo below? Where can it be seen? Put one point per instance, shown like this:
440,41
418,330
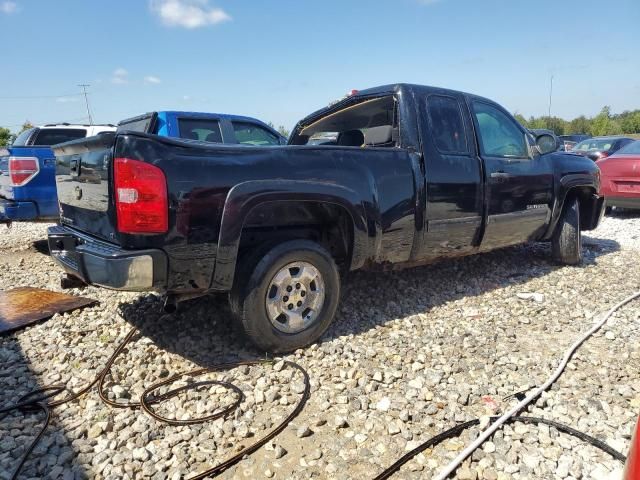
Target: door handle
500,175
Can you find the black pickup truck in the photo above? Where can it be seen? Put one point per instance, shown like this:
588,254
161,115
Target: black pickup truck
409,175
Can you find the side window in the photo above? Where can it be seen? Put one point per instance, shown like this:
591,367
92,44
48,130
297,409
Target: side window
446,124
252,134
204,130
499,134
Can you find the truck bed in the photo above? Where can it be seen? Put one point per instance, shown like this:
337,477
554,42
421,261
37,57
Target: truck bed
210,184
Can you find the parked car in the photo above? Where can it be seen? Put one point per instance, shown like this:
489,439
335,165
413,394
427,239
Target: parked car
207,127
600,147
27,171
620,177
567,142
27,185
632,465
418,174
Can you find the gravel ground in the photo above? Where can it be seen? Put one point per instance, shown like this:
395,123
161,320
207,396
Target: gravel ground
411,354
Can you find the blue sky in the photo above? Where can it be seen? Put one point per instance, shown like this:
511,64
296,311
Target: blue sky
279,60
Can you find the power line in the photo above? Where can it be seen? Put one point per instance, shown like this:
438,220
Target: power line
25,97
550,95
86,100
69,120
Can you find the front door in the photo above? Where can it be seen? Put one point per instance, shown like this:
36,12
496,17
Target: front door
519,181
453,176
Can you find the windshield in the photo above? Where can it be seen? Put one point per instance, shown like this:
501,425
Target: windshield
632,149
594,145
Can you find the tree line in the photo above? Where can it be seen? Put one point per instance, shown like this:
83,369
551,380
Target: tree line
605,123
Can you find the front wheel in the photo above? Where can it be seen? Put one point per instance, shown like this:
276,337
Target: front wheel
287,298
566,243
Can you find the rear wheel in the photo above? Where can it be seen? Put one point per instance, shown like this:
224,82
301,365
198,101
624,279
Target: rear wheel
566,243
288,297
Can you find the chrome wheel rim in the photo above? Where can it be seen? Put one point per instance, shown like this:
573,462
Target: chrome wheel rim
295,297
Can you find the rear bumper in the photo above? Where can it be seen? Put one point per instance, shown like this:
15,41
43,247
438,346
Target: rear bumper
100,263
11,211
624,202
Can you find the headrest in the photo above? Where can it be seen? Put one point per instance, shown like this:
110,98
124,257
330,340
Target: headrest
378,135
351,138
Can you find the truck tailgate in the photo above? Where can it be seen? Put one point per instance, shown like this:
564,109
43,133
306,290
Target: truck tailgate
46,162
83,169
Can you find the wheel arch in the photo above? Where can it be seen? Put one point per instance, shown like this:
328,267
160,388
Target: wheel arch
586,192
252,206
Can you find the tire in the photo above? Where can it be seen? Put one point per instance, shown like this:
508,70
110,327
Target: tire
257,289
608,210
566,243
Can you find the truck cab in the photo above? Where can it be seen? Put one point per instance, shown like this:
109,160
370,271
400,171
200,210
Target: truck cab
205,127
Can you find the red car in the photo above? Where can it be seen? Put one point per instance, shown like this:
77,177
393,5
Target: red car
632,469
620,177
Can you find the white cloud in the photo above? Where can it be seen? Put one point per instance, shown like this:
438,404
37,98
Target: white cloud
120,76
188,13
151,79
8,7
67,99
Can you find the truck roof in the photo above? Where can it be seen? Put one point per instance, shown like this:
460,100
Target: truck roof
378,91
182,113
75,125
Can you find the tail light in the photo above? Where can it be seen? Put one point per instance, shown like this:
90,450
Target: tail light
141,197
22,170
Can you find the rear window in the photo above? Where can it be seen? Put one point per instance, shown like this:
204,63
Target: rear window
593,145
252,134
138,124
200,129
631,149
447,127
21,140
52,136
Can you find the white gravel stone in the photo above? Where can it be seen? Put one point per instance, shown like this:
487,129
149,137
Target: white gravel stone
411,353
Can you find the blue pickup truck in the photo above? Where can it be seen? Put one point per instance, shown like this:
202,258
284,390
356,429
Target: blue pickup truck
27,167
27,171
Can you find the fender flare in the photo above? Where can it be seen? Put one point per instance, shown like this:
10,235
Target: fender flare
567,183
246,196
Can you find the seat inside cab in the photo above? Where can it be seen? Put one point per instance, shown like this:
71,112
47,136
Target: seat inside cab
370,123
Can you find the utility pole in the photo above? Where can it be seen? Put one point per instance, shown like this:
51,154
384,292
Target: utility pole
86,100
550,95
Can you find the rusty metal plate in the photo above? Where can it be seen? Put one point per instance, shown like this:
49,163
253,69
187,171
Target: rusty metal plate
22,306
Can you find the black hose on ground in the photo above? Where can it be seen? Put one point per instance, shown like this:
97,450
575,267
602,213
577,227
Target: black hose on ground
37,401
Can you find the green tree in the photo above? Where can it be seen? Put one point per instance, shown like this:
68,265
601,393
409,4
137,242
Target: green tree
630,121
5,137
603,124
26,126
521,120
579,125
284,131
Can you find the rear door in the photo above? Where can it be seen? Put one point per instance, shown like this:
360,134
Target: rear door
453,177
203,129
519,183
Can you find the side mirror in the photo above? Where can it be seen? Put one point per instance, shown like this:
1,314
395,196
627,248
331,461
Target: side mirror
546,143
